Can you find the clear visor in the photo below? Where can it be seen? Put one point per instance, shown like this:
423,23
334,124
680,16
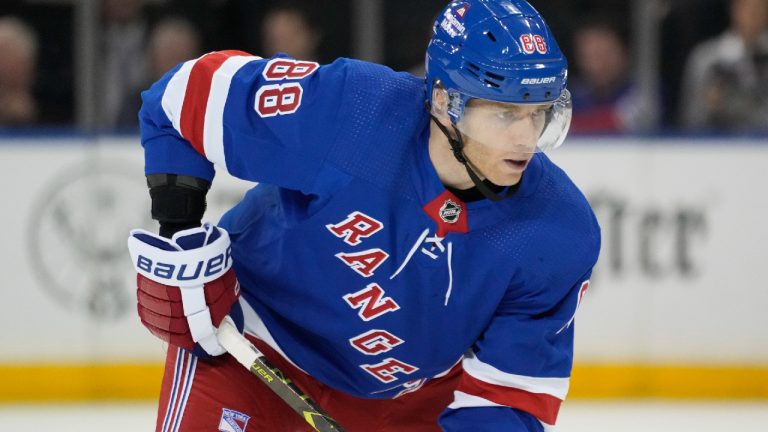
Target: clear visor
523,128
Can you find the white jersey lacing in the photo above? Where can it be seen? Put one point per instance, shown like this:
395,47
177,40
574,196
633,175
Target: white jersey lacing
436,242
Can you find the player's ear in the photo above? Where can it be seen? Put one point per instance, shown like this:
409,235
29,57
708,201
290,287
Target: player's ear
440,103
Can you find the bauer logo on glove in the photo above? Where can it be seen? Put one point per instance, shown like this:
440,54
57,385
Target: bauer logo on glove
185,285
191,257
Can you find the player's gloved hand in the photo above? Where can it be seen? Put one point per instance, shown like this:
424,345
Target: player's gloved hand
186,286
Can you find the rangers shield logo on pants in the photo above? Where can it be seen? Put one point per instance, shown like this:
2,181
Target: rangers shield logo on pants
232,421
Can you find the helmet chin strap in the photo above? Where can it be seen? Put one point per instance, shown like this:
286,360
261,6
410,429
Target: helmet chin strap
457,146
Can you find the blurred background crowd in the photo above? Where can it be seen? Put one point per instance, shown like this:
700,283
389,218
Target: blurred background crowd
637,66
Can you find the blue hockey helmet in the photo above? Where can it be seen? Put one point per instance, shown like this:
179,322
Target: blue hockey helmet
501,51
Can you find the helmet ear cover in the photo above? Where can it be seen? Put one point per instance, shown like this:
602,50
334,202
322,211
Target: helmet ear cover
440,102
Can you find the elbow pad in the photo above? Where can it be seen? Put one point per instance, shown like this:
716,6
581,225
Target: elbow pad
178,202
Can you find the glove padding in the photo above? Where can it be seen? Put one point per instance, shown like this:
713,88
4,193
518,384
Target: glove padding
185,285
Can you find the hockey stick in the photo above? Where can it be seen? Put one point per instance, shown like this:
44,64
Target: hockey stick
255,361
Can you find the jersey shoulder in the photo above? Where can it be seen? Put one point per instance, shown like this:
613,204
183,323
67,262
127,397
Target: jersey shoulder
569,229
384,116
551,232
550,241
563,204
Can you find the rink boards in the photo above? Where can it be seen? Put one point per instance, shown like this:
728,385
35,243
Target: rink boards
677,305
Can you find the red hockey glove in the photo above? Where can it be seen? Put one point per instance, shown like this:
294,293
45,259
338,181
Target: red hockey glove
186,285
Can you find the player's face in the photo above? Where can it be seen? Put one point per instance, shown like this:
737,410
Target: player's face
500,139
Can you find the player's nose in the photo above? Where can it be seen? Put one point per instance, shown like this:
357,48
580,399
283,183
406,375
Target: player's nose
522,139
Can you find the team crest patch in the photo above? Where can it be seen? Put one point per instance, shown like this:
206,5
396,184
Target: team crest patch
233,421
450,211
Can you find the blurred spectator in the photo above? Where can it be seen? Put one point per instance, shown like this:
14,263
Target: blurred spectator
291,27
172,41
725,86
122,54
684,25
18,66
605,100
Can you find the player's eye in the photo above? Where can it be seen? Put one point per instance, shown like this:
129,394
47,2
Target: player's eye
508,115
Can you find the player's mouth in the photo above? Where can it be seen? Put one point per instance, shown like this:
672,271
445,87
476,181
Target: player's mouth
518,164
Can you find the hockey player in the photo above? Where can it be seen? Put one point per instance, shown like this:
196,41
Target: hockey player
411,258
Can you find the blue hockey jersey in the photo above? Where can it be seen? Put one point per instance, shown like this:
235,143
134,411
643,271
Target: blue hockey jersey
359,266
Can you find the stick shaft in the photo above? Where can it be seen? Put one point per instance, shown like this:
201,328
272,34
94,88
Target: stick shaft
255,361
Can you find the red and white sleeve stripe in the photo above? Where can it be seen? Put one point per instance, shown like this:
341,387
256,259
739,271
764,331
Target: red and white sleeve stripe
484,385
195,97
